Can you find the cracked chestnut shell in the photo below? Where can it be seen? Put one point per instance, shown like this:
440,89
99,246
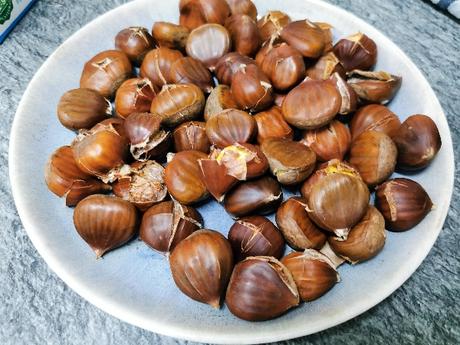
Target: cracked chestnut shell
255,236
105,222
229,64
374,117
135,42
297,228
166,224
403,203
325,67
157,65
313,273
349,99
134,96
170,35
243,7
194,13
307,37
271,124
374,87
290,161
356,52
219,99
105,72
244,34
187,70
201,266
261,288
272,23
418,142
191,136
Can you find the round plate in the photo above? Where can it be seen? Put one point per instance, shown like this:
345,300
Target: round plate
133,283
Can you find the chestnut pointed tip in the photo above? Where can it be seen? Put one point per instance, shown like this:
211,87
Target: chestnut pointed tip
215,304
99,253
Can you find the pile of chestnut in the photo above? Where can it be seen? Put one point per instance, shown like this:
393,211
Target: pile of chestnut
231,107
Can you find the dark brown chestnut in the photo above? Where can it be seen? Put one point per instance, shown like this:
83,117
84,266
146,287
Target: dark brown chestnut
135,42
271,24
187,70
105,222
194,13
374,87
325,67
403,203
305,36
229,64
170,35
134,96
261,288
418,142
374,117
246,7
244,34
166,224
271,124
356,52
157,65
191,136
219,99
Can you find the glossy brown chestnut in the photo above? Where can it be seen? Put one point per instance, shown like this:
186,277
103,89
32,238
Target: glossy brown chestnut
157,65
272,23
243,7
271,124
170,35
194,13
251,89
297,228
261,196
166,224
219,99
201,266
418,142
356,52
313,273
105,222
255,236
244,34
191,136
143,186
135,42
290,161
208,43
183,177
229,64
312,104
325,67
261,288
187,70
105,72
305,36
134,96
349,99
328,142
178,103
374,87
374,117
403,203
82,109
365,240
374,155
229,127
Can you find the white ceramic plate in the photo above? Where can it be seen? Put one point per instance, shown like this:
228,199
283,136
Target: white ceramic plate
133,283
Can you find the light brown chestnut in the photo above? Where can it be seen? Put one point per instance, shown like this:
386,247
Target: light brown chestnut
194,13
105,72
325,67
297,228
157,65
307,37
166,224
271,124
356,52
374,87
201,266
134,96
105,222
374,155
255,236
365,240
183,177
290,161
244,34
187,70
219,99
229,64
191,136
349,99
261,288
178,103
312,104
170,35
82,109
143,185
271,24
418,142
328,142
313,273
243,7
135,42
374,117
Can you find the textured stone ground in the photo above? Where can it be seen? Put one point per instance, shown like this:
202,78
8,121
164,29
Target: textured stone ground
37,308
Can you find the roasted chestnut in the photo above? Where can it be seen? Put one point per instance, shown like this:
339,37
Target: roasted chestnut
307,37
208,43
255,236
229,64
82,109
271,24
166,224
178,103
143,185
403,203
105,222
134,96
157,65
374,154
356,52
243,7
365,240
312,104
170,35
328,142
349,99
313,273
261,288
194,13
374,117
183,177
325,67
374,87
418,142
191,136
201,266
244,34
105,72
271,124
290,161
297,228
219,99
190,71
135,42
